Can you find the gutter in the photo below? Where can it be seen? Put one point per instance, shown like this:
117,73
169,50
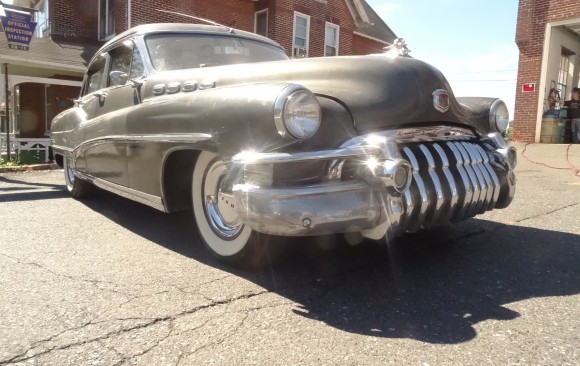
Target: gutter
371,38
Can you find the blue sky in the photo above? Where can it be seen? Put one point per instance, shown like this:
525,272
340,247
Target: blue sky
471,42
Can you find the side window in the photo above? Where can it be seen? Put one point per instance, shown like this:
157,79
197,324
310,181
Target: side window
126,59
137,68
95,76
120,61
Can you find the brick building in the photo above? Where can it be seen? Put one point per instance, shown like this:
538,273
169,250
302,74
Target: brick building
70,31
548,37
312,27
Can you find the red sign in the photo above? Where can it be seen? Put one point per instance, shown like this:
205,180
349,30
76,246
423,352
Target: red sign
529,87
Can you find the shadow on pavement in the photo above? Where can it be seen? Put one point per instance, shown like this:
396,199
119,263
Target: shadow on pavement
28,191
431,288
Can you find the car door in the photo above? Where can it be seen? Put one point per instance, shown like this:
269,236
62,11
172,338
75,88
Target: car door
105,134
86,108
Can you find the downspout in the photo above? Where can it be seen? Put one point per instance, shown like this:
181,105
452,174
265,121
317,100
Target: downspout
7,110
128,14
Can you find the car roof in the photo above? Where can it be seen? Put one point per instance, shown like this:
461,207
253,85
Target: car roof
157,28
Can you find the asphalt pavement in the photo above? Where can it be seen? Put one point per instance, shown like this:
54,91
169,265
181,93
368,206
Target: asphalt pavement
107,281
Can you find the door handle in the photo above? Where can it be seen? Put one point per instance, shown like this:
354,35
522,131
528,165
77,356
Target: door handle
100,94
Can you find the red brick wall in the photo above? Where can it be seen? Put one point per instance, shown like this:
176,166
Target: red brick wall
334,11
365,46
236,13
78,19
533,15
74,20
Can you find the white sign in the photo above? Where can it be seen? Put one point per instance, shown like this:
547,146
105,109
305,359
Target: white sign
2,13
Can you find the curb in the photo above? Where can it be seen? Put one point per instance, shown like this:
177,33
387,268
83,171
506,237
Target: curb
28,168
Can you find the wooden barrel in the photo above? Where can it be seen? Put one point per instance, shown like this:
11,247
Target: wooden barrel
549,131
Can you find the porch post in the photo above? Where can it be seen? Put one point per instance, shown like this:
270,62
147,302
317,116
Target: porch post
7,104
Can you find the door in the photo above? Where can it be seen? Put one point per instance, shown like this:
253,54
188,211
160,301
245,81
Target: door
85,111
105,133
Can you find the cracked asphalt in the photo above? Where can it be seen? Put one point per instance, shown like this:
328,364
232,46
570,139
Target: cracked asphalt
107,281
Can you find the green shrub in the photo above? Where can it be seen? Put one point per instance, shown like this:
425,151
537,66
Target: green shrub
508,134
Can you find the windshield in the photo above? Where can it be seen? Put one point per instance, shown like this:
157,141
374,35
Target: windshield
188,51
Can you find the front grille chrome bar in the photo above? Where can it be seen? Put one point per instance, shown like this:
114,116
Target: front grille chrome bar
452,181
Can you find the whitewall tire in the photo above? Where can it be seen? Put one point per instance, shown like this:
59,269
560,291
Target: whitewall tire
76,187
220,227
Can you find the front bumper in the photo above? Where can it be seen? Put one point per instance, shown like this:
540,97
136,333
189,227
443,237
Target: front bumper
450,174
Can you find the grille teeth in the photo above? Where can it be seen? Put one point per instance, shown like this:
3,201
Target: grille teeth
451,181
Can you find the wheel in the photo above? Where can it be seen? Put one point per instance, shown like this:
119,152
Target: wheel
220,227
77,188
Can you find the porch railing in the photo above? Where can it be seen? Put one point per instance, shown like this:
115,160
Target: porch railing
26,149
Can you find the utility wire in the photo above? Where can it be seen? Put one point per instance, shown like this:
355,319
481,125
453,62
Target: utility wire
481,72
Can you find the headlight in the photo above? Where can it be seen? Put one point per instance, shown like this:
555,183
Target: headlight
499,116
297,113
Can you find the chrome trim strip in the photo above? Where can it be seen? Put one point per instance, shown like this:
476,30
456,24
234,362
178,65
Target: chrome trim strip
318,189
452,187
137,196
435,212
274,158
415,134
64,149
177,137
173,138
423,204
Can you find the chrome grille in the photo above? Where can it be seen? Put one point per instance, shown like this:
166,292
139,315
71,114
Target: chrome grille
452,180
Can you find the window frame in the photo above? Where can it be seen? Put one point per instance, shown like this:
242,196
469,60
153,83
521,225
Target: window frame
564,69
298,14
258,13
337,28
103,36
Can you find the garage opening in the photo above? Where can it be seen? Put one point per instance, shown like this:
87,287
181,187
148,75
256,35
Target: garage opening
562,75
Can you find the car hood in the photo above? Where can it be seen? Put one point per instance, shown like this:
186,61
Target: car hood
380,92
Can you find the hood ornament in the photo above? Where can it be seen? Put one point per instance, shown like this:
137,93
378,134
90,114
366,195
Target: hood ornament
399,46
441,100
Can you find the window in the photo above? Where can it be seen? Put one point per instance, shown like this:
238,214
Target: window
95,76
301,34
137,69
106,19
41,18
331,35
261,22
127,59
174,51
120,61
566,69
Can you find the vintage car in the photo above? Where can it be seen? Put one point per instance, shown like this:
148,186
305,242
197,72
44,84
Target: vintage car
204,117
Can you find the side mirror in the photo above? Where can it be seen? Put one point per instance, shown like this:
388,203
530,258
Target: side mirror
118,78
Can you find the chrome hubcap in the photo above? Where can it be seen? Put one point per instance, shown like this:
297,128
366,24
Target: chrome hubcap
70,174
219,203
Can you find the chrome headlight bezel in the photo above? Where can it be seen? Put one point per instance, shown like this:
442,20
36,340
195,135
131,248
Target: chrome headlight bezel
499,116
289,129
